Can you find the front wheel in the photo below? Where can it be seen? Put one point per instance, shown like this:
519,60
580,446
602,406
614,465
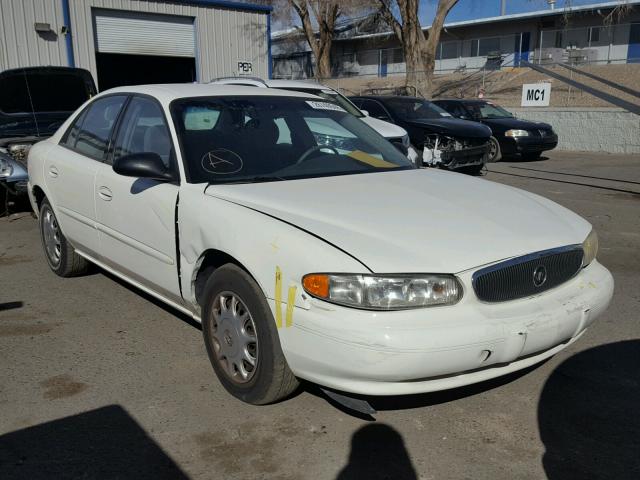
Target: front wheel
495,154
242,340
61,257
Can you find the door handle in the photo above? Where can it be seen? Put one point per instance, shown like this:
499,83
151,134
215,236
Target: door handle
53,171
105,194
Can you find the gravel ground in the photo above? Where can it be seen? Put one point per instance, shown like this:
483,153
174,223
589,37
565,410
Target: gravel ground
99,381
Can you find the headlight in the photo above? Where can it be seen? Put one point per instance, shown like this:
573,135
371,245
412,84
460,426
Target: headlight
516,133
6,169
590,248
377,292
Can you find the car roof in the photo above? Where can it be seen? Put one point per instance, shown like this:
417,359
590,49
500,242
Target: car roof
464,100
166,93
389,97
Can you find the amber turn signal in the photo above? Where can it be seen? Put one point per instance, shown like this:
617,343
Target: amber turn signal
316,284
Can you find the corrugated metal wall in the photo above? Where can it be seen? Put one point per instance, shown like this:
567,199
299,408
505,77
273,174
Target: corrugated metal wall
224,36
20,44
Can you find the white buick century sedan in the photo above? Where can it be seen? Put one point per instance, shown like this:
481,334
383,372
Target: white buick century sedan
308,256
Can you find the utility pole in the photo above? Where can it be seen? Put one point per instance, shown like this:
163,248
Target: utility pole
503,7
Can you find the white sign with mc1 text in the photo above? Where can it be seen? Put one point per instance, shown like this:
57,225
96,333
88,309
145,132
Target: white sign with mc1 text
536,94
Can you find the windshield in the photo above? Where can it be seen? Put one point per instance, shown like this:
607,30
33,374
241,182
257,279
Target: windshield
332,96
488,111
415,109
262,138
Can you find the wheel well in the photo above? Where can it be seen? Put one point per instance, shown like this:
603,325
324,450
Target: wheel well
211,260
39,195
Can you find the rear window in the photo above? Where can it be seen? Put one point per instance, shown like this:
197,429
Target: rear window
49,92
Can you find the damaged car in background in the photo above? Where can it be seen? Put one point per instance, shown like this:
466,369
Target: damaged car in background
300,258
30,112
444,141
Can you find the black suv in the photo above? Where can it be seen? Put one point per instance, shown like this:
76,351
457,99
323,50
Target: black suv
510,135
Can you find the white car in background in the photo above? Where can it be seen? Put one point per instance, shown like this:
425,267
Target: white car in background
342,265
395,134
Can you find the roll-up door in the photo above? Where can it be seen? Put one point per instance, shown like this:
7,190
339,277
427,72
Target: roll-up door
144,34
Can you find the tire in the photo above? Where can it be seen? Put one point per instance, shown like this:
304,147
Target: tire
61,257
495,154
531,155
236,335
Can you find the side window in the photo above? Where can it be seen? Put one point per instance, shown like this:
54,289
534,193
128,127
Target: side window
143,129
376,110
91,132
455,109
284,132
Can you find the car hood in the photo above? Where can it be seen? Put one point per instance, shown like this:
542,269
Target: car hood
453,127
515,123
386,129
415,220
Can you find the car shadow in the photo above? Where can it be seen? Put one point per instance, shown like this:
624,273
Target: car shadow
378,452
102,443
589,415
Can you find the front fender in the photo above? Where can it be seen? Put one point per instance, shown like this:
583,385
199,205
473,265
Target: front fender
262,244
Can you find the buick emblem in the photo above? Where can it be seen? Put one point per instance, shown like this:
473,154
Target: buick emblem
539,276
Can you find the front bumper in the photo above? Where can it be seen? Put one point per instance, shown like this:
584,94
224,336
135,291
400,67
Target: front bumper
511,146
416,351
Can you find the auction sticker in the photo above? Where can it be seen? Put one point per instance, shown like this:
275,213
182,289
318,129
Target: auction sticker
325,106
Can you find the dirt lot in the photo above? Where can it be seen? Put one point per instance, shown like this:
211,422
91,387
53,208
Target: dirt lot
98,381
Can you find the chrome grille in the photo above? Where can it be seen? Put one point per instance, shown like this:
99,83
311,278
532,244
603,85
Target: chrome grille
522,277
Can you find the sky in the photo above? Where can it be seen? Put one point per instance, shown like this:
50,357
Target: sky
472,9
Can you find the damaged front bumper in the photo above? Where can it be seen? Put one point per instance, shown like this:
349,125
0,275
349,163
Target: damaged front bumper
424,350
452,153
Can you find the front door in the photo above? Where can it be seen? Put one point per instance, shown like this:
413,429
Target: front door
71,167
136,216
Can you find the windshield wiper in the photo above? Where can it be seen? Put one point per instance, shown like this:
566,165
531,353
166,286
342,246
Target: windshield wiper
256,179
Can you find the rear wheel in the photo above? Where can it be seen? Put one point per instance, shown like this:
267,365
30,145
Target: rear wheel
242,340
61,256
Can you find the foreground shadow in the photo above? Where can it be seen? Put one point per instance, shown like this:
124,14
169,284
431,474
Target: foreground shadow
100,444
377,453
589,415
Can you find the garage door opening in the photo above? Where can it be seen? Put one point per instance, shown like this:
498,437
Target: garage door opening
134,48
116,70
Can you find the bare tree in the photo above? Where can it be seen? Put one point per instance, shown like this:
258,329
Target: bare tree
419,47
318,20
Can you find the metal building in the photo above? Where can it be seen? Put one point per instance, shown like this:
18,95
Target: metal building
138,41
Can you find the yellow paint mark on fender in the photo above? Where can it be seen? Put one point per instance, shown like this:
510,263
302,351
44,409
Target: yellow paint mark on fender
291,299
278,297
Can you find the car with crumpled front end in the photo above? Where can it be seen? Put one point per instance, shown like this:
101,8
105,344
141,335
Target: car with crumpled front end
442,140
343,265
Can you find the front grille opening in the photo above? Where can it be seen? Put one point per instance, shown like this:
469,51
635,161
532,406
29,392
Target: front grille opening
529,275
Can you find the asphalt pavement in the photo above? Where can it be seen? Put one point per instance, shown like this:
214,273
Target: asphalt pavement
97,380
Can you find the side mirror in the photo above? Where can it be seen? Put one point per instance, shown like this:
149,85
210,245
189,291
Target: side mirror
365,113
143,165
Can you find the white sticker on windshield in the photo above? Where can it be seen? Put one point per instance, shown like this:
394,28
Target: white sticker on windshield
325,106
445,114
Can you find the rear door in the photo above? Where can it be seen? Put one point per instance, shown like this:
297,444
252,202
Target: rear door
136,216
71,166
